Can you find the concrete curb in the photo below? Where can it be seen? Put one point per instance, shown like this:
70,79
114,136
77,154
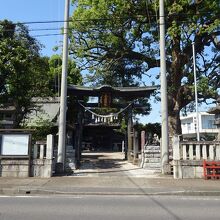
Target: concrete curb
18,191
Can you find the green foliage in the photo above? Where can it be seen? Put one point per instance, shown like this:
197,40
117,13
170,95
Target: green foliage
23,73
42,128
123,128
55,70
105,42
118,41
149,128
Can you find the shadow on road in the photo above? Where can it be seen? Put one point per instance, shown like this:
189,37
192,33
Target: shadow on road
104,162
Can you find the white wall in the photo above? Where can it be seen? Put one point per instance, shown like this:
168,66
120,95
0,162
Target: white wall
206,123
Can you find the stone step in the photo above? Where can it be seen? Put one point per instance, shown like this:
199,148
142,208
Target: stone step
152,166
158,169
156,151
152,160
152,147
152,155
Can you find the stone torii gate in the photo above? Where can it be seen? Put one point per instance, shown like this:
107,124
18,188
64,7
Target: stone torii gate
108,97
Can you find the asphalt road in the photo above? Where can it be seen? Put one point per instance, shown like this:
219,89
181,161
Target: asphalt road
109,208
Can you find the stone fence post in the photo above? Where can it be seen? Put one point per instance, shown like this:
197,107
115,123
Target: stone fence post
50,144
177,172
42,163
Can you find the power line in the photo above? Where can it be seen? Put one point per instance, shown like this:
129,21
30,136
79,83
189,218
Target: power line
46,35
79,20
46,29
61,28
112,18
37,29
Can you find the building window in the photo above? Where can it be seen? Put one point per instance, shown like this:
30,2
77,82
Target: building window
188,126
211,124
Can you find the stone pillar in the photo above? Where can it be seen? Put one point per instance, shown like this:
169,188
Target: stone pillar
42,151
35,154
142,148
50,144
129,131
123,146
176,158
78,137
80,133
77,146
135,146
126,145
142,140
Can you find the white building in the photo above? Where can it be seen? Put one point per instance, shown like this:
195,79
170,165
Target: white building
206,124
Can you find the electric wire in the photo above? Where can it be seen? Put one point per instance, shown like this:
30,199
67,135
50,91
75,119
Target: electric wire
60,29
154,24
113,18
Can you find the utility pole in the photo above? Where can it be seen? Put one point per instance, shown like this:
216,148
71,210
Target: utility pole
164,106
196,94
63,97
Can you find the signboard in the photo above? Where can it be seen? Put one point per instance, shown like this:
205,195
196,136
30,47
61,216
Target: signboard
106,100
14,144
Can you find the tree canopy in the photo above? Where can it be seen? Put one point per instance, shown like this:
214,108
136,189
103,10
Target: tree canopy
23,72
118,41
55,69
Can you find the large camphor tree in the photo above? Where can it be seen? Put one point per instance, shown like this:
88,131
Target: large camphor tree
118,42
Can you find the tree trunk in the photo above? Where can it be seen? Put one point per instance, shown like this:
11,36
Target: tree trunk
174,124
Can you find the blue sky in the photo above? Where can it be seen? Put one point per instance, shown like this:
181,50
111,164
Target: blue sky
49,10
34,11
